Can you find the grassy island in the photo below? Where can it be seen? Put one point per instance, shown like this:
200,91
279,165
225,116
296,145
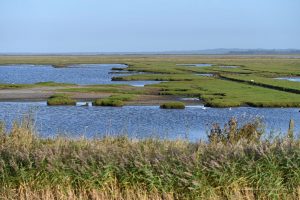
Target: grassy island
172,105
60,99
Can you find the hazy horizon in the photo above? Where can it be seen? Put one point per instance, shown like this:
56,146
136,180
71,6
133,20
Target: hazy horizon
87,26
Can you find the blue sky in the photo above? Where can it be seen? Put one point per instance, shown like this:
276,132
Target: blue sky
43,26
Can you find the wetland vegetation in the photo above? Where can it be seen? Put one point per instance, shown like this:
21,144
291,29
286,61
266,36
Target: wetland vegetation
172,105
252,83
108,102
236,163
60,99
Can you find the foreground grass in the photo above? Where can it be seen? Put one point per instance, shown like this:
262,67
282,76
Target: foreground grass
123,168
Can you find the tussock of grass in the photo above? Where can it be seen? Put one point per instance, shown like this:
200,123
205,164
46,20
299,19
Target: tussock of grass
172,105
59,65
108,102
60,99
123,168
114,100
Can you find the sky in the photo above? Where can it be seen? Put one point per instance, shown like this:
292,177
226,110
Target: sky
65,26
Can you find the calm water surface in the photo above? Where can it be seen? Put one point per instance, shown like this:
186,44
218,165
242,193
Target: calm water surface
140,121
83,74
294,79
196,65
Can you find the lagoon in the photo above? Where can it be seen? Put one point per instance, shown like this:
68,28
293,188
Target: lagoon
82,74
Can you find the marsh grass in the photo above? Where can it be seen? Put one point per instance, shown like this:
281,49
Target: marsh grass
173,105
124,168
60,99
108,102
52,83
234,83
123,97
116,100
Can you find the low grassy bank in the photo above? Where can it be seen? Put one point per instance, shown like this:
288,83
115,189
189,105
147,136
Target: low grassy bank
227,167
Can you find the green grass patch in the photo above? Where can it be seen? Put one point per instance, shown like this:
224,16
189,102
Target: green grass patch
51,84
108,102
60,99
172,105
157,77
15,86
122,97
120,89
283,85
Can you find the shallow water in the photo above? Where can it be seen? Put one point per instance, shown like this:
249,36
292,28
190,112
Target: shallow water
196,65
141,121
83,74
229,67
207,75
294,79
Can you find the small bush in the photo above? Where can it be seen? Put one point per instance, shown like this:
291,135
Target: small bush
108,102
172,105
60,99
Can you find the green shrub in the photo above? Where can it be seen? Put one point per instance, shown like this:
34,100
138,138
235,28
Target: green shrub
172,105
108,102
60,99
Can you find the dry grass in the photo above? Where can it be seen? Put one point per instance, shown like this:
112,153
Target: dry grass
124,168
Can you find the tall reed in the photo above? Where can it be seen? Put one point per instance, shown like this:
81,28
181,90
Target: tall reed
124,168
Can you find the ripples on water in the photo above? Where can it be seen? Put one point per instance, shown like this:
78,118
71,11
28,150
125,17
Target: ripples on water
141,121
